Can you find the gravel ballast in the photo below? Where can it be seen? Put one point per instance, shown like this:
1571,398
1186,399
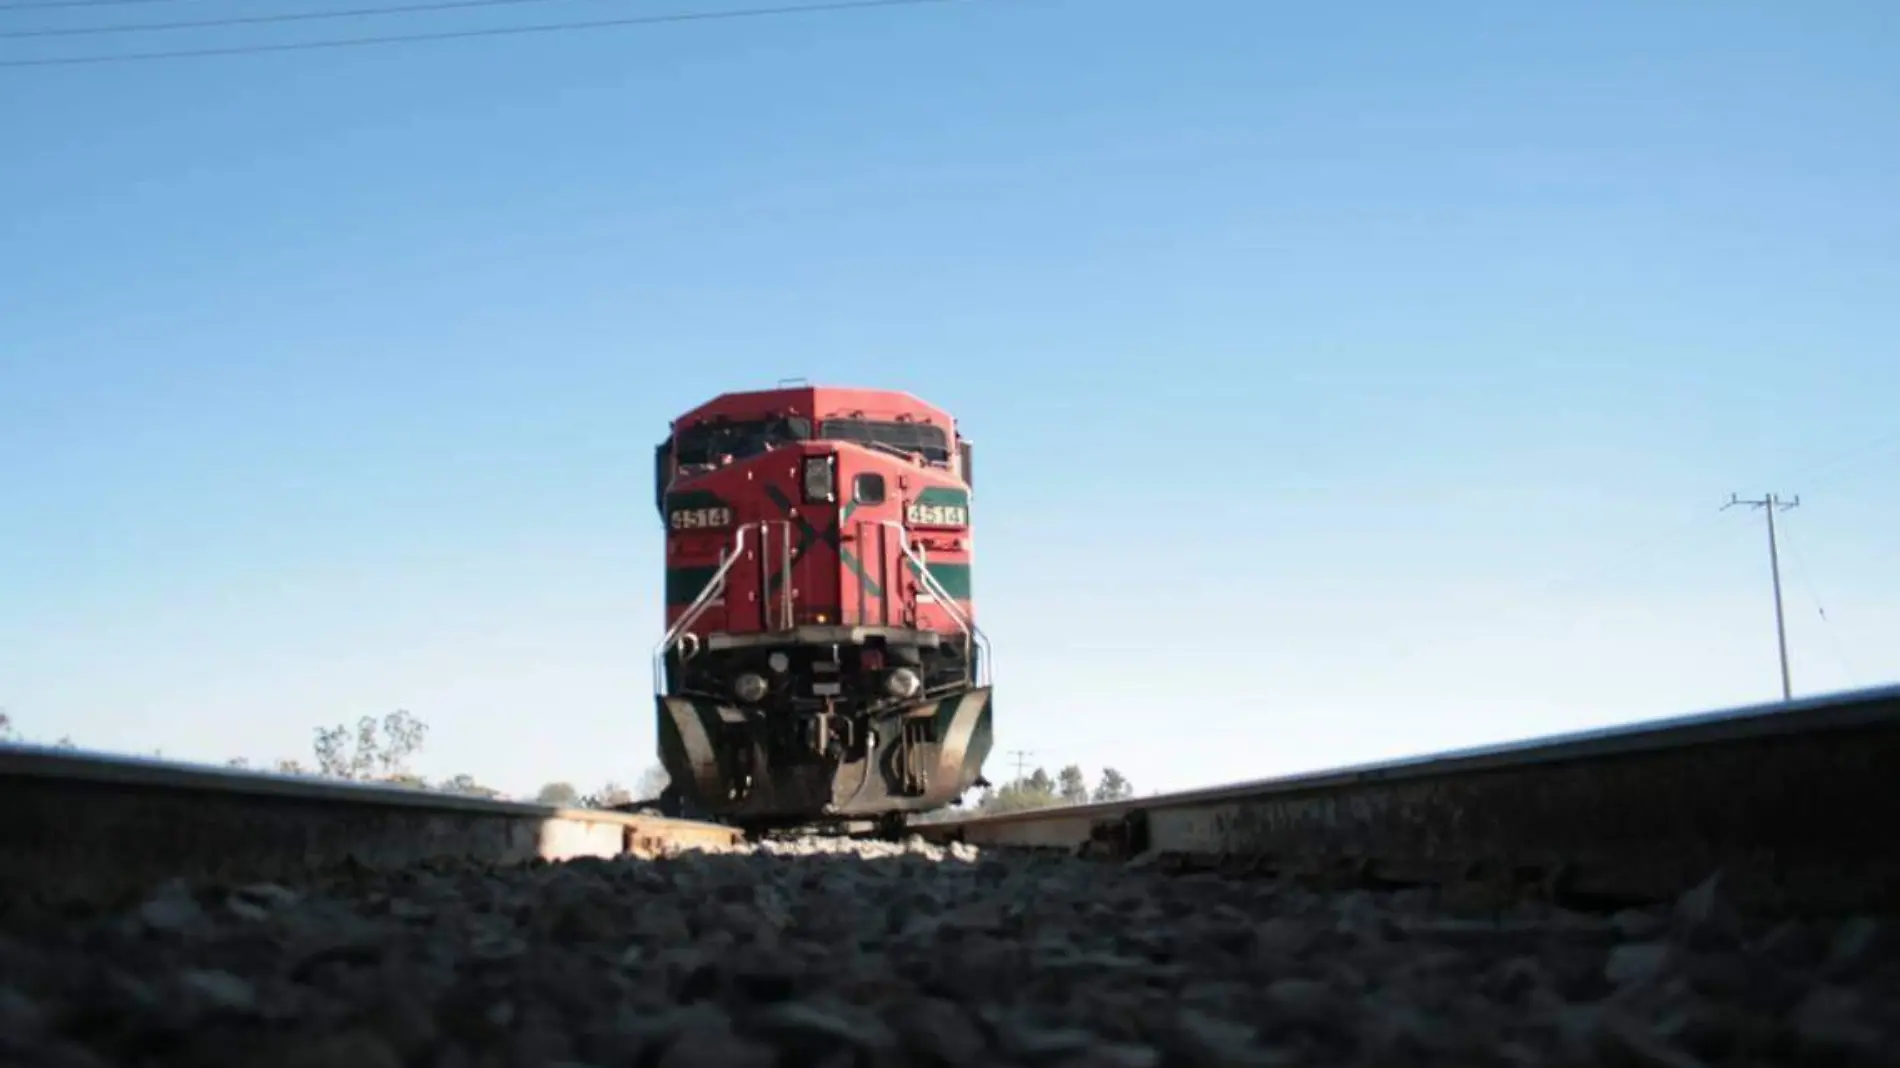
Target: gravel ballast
853,954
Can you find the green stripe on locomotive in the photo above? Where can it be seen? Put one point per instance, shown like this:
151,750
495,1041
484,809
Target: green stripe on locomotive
954,578
683,584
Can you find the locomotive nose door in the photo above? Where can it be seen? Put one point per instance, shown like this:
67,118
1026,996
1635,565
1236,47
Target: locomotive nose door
867,575
799,554
867,553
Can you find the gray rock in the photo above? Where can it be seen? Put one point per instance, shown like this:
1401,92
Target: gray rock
1639,925
1045,1045
1197,1039
20,1016
406,909
245,909
219,990
171,909
1705,903
1834,1019
940,1032
404,1019
1707,917
1398,1029
861,955
1516,980
1112,1055
1302,1000
1282,940
1637,1044
806,1029
350,1049
1856,943
63,1054
707,1041
1636,962
1792,942
266,895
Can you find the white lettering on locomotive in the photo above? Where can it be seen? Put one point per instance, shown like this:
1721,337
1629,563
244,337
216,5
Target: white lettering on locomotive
700,518
938,515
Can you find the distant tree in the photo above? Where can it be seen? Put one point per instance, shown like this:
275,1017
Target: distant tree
381,751
653,782
1039,784
237,762
467,787
1113,786
608,795
1035,791
1071,786
287,766
559,793
10,733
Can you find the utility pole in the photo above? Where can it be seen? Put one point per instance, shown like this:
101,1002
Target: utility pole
1022,758
1770,504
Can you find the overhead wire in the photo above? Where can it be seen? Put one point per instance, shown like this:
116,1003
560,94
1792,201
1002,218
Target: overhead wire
1811,586
1838,464
835,6
258,20
1616,561
1623,561
48,5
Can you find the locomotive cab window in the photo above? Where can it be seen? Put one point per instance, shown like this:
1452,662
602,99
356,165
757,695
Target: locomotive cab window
868,489
922,438
702,447
662,474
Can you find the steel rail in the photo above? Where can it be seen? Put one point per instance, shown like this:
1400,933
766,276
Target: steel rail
90,828
1794,803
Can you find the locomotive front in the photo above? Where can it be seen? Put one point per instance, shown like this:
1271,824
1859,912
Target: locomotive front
821,657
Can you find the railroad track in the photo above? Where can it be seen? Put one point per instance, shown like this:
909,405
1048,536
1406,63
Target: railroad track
212,917
84,829
1790,803
1794,805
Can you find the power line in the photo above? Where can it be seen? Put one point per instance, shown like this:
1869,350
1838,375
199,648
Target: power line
256,20
47,5
1843,461
1620,560
458,35
1769,504
1814,593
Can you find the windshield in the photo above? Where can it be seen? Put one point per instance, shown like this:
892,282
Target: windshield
923,438
704,445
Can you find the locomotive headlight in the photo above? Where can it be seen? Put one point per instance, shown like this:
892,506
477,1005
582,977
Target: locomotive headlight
778,662
821,479
902,683
749,687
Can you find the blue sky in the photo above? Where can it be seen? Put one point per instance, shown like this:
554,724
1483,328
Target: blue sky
1346,383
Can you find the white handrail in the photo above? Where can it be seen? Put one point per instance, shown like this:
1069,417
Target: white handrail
972,634
714,586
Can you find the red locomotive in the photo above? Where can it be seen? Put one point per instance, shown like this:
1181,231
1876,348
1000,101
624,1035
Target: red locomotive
821,657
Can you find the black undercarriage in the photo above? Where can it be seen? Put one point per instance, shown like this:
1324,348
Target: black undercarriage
851,670
821,724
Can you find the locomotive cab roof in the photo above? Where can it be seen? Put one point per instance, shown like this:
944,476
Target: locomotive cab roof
818,404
